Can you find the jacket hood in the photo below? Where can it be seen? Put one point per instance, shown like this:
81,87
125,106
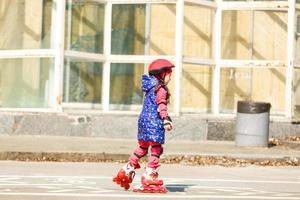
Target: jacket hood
148,82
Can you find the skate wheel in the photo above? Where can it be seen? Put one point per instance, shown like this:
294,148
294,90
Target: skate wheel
124,183
150,189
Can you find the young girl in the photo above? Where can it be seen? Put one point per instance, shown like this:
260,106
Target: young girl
153,121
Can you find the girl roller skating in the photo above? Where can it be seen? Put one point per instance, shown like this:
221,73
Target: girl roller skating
153,121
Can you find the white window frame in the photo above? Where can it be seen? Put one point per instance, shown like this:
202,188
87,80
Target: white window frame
55,52
217,62
59,55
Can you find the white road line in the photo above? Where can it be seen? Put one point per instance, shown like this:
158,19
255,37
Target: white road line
214,187
172,180
8,178
33,184
65,191
152,196
235,180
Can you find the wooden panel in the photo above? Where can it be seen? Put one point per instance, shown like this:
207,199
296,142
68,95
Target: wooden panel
196,84
297,46
162,29
197,31
296,93
236,26
253,84
87,27
270,35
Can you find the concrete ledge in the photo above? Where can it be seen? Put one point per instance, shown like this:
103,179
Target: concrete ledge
186,127
239,160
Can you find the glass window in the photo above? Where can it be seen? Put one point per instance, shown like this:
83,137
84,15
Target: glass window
256,0
244,31
125,86
258,84
198,31
26,83
139,29
297,45
25,24
84,26
296,93
196,88
82,82
236,29
271,28
161,36
128,29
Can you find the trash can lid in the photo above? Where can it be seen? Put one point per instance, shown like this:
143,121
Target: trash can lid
252,107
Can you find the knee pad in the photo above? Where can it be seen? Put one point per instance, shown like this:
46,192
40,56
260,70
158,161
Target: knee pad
157,150
141,152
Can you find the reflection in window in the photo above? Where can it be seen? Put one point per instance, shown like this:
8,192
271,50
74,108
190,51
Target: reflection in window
162,29
196,84
297,45
198,31
26,83
244,31
84,28
125,84
25,24
296,92
82,82
246,84
128,29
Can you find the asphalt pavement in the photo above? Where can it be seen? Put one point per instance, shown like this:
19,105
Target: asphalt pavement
82,181
56,148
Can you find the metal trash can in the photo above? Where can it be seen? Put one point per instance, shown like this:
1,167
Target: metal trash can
252,124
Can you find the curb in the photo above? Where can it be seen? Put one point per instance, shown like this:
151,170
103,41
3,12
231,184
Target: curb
203,159
292,144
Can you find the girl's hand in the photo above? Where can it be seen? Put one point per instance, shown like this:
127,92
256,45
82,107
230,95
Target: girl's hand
168,127
168,124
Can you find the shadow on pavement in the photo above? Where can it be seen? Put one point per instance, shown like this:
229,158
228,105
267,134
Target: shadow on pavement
178,187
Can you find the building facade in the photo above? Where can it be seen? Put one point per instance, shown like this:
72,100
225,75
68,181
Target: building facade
60,56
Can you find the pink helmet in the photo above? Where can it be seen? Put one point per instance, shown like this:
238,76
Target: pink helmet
160,65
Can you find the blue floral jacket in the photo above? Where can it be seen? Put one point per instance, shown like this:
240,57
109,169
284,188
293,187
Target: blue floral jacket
150,125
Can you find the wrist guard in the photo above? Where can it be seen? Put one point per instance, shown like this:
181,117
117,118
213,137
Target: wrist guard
167,120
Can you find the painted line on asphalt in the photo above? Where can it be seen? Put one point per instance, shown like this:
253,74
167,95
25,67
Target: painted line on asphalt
152,196
33,184
167,179
235,180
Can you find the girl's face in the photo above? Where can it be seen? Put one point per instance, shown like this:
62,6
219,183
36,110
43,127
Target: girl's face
168,78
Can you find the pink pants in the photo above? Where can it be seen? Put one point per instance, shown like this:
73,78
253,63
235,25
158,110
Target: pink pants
142,150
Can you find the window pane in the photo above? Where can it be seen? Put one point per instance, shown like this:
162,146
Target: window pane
133,34
196,88
256,0
236,28
269,35
84,28
254,35
297,45
125,86
258,84
162,29
82,82
198,31
26,83
25,24
296,93
128,29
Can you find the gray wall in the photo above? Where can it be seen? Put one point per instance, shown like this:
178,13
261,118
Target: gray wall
186,127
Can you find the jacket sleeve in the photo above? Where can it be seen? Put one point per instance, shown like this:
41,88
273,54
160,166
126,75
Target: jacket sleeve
161,101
